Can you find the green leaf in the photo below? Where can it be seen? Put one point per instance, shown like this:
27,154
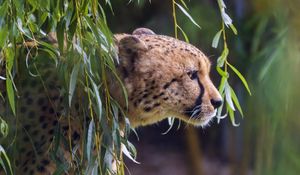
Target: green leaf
89,149
3,36
222,73
184,34
60,35
9,82
236,101
3,127
216,39
231,115
188,15
222,84
223,57
5,162
233,29
228,96
184,4
241,77
73,80
97,97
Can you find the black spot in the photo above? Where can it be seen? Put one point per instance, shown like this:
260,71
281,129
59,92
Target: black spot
147,102
75,135
26,139
41,89
51,131
147,109
29,101
65,128
35,132
51,111
54,122
29,153
25,169
44,108
156,105
56,97
27,127
166,98
145,95
125,72
41,101
169,83
42,118
159,95
33,161
23,109
176,94
33,83
44,126
26,94
45,162
43,137
41,168
31,172
128,51
31,114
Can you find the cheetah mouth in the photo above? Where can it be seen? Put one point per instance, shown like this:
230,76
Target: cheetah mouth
198,117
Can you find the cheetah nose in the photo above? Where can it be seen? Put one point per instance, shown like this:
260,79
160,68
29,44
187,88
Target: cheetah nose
216,103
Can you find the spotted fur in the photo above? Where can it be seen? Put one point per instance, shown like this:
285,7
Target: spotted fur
163,76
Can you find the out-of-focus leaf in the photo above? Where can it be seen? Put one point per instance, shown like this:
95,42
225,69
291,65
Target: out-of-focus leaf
188,15
89,140
241,77
73,80
3,36
216,39
3,127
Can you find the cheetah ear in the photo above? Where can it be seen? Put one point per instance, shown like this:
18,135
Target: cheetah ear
140,31
131,44
130,47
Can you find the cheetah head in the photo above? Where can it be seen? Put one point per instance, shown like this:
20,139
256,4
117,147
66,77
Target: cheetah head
165,77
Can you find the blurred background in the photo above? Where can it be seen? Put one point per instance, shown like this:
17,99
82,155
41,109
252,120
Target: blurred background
267,52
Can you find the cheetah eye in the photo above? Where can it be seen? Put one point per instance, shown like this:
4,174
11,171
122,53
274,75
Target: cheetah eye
193,74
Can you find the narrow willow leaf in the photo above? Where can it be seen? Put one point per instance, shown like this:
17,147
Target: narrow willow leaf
3,35
236,101
222,73
216,39
233,29
223,57
3,127
73,80
127,153
89,140
184,4
228,96
98,99
231,115
188,15
60,35
5,165
222,85
241,77
184,34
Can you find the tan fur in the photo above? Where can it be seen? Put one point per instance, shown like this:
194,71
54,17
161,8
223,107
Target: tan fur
163,77
148,62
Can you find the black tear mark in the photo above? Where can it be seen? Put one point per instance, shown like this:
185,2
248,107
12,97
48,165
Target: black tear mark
189,111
